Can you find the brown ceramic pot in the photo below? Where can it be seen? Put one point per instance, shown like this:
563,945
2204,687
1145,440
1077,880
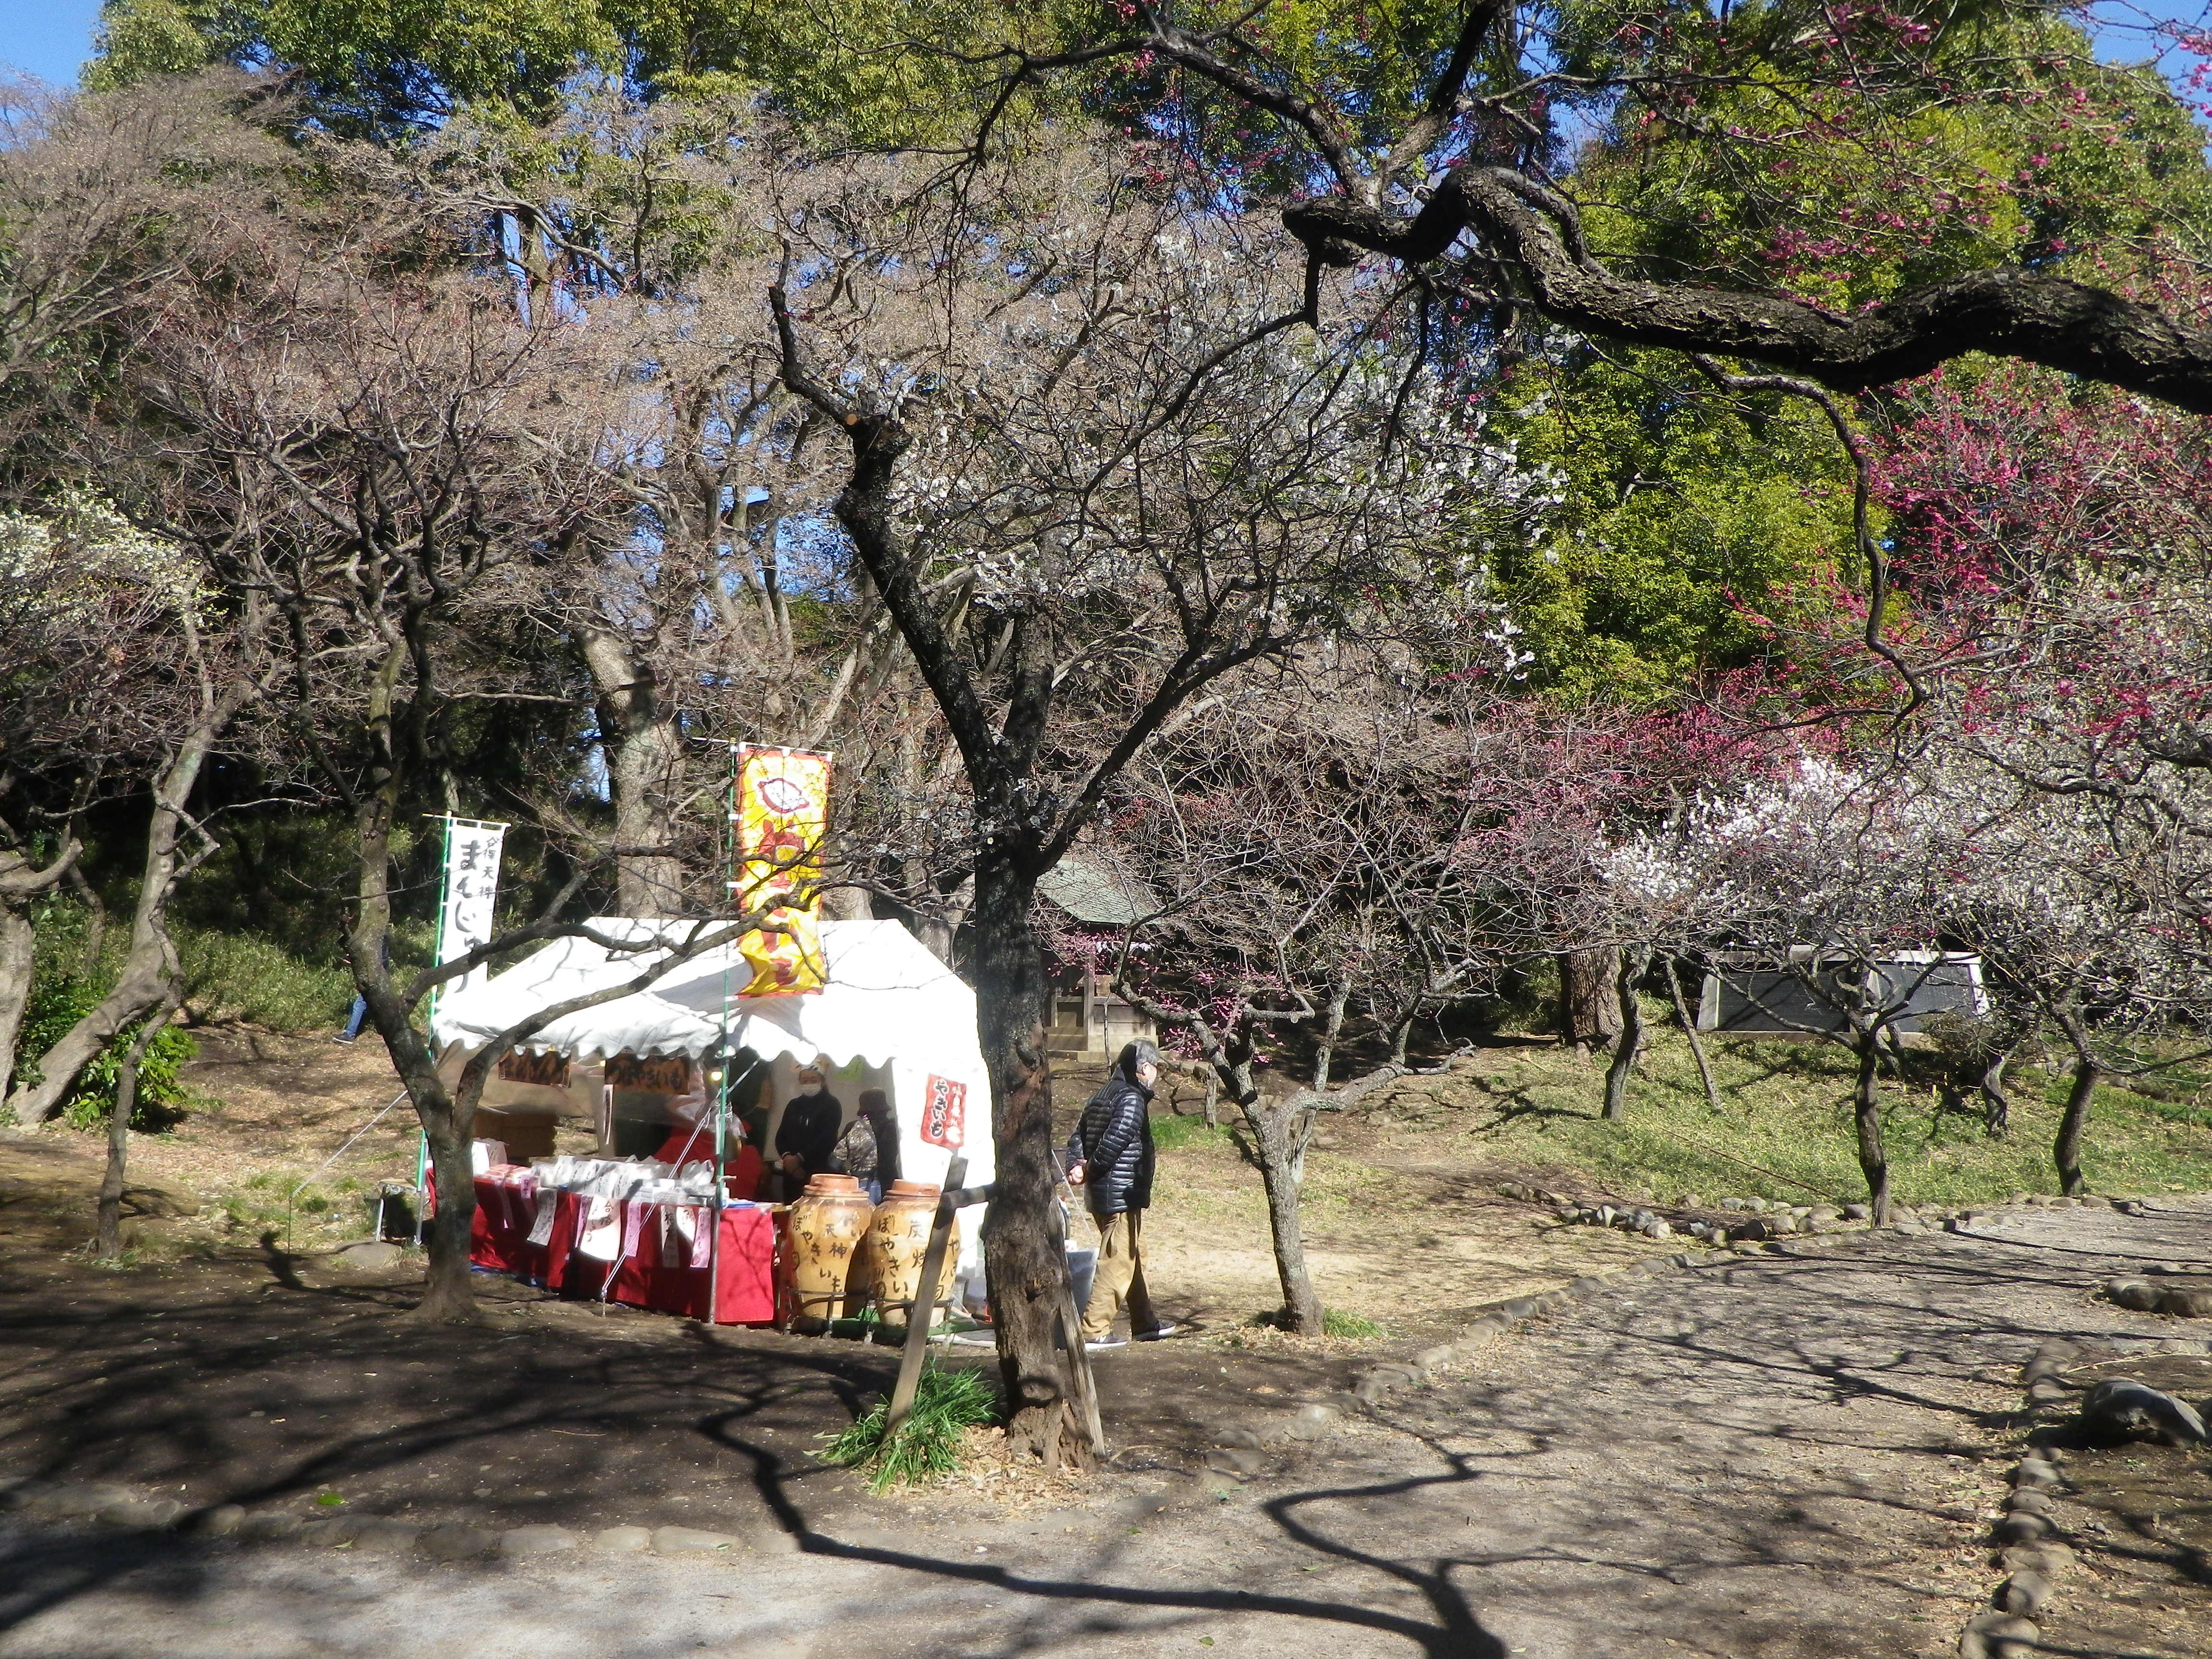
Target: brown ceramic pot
898,1239
829,1226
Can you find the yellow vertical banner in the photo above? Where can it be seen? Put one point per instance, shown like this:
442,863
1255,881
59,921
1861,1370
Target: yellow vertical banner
780,814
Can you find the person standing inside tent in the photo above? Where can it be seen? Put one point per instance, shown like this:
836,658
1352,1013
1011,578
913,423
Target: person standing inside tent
807,1138
868,1149
1109,1156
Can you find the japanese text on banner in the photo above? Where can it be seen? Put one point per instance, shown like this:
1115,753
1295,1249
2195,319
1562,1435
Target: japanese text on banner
780,814
944,1113
472,852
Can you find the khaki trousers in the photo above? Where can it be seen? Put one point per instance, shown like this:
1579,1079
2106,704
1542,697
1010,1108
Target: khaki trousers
1119,1278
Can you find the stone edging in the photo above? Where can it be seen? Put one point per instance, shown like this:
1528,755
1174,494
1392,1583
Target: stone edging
2027,1548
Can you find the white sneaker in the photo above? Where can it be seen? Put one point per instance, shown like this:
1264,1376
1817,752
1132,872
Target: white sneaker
1100,1344
1157,1331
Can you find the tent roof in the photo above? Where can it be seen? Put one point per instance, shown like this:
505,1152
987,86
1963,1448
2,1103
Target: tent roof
886,997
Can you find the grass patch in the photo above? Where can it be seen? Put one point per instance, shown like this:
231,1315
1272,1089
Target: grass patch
304,1216
1334,1321
245,976
927,1447
1173,1134
1784,1130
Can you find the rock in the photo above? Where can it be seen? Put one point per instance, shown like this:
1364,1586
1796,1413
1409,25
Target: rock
1656,1228
2029,1500
70,1498
1524,1307
1435,1358
2050,1359
2049,1557
1235,1459
2000,1631
2046,1391
1829,1211
2025,1593
266,1524
623,1540
2122,1408
1237,1436
1605,1214
1691,1201
373,1257
778,1542
222,1521
2186,1301
2135,1293
1484,1332
2035,1472
152,1514
1731,1203
522,1541
695,1541
165,1202
375,1536
2020,1528
1312,1421
460,1543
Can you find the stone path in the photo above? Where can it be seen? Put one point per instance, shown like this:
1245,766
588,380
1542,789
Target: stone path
1780,1457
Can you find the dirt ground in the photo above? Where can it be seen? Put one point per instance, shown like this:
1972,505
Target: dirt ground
1791,1456
1402,1227
1796,1455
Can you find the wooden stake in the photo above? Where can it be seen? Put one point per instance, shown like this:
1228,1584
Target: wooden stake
921,1313
1078,1368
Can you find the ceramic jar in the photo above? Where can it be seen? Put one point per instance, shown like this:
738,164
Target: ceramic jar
828,1227
899,1238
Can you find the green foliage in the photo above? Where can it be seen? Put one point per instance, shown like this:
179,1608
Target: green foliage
1334,1321
244,976
138,39
1172,1134
946,1404
1685,514
57,1002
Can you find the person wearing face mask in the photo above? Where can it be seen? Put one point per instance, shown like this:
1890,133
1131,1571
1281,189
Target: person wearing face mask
1111,1158
807,1138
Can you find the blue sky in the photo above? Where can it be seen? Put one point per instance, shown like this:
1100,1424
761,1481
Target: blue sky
51,38
47,37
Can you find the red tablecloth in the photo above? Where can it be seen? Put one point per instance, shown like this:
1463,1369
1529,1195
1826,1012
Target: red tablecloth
745,1262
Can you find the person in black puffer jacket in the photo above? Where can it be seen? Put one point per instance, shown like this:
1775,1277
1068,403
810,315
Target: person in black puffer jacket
1110,1156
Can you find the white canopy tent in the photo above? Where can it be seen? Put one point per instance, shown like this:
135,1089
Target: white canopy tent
890,1015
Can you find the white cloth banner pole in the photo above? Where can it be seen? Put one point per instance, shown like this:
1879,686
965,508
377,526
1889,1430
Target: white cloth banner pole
473,853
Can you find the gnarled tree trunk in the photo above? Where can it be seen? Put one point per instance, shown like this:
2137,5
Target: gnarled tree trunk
21,881
1634,959
1028,1268
644,764
108,1241
1589,1000
149,966
1866,1116
2066,1149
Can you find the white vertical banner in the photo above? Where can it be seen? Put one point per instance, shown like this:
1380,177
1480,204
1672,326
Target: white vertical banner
472,852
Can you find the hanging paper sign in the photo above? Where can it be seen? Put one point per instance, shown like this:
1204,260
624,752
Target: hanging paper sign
779,814
547,1071
472,852
944,1113
658,1074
